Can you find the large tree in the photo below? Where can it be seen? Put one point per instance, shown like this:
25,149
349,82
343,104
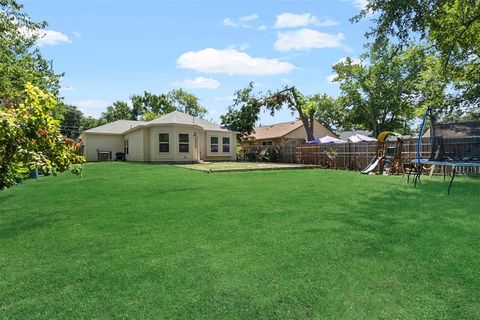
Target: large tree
20,58
448,29
329,112
243,115
150,106
186,102
119,110
70,120
383,94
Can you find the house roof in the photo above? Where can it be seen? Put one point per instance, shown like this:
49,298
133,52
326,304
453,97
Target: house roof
275,130
172,118
116,127
177,117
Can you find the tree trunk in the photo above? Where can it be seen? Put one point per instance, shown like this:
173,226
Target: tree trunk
307,122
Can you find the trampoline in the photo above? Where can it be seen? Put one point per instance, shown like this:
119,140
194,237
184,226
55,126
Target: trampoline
454,145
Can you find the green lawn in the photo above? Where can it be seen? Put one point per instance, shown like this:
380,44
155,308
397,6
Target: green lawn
144,241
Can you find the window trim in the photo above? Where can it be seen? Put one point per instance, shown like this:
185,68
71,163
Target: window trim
180,143
225,144
167,143
214,144
125,146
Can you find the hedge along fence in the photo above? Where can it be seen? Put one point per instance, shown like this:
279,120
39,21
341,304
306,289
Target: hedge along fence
351,156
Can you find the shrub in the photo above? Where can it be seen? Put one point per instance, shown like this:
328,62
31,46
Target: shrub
30,139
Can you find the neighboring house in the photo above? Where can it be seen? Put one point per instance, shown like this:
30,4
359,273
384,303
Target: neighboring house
174,137
291,132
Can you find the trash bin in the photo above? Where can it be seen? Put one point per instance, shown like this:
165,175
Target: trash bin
35,174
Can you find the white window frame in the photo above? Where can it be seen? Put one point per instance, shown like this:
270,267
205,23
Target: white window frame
163,142
214,144
180,143
125,146
225,144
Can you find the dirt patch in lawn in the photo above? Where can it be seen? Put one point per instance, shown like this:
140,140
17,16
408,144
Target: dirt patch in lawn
243,166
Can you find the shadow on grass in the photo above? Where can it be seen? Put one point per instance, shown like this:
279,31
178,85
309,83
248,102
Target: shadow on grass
27,224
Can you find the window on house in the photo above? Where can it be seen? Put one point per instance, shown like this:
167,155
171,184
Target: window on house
125,146
163,142
267,143
183,142
226,144
213,144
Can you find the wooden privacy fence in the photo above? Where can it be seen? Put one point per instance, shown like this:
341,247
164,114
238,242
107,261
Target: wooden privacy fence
351,156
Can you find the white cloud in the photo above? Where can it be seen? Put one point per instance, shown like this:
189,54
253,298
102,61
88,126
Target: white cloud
76,34
305,39
242,22
330,78
92,107
46,37
360,4
52,37
250,17
328,22
229,23
262,27
199,83
241,47
232,62
294,20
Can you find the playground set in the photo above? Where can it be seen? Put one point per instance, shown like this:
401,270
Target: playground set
389,155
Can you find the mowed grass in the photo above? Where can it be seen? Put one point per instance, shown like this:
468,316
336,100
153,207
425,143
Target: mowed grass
143,241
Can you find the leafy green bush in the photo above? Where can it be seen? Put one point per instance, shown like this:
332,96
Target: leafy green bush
30,139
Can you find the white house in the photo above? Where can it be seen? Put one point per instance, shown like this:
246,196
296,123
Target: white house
174,137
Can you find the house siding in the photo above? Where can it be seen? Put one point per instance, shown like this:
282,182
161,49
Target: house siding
296,136
174,154
135,145
143,144
318,131
220,155
101,142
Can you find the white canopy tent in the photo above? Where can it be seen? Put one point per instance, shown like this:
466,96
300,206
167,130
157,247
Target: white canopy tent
326,140
360,137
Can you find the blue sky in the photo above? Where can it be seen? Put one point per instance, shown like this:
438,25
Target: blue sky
112,49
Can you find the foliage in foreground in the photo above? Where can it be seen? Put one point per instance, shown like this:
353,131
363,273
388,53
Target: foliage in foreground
20,59
30,139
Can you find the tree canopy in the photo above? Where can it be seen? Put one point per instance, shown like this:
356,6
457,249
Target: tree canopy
244,114
20,59
150,106
384,93
448,29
